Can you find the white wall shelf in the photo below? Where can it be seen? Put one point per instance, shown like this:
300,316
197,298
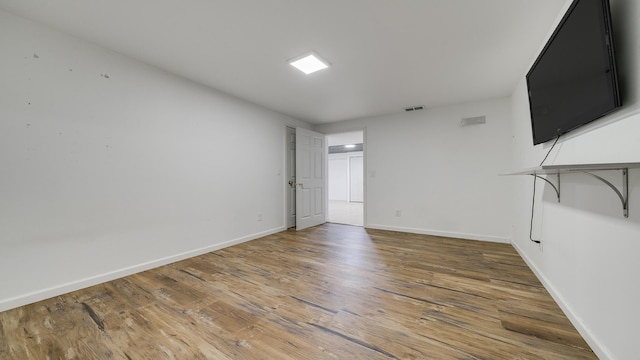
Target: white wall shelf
588,169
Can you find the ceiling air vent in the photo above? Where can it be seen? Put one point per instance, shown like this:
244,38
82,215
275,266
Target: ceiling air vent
414,108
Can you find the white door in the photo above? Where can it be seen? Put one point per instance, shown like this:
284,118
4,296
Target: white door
291,177
311,164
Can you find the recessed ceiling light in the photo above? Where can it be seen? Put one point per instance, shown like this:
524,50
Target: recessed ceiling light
309,63
349,146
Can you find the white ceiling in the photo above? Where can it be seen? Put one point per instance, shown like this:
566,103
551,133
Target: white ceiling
386,54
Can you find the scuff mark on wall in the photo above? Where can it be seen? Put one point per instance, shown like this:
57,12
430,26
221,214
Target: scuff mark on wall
105,76
35,56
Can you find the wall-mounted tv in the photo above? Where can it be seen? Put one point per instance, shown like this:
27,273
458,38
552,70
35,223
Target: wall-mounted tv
574,81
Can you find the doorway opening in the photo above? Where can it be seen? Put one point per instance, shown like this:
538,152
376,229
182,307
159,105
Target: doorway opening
346,178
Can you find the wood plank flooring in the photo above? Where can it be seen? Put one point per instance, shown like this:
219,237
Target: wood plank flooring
330,292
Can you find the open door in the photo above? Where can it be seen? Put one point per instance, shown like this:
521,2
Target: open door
311,179
290,214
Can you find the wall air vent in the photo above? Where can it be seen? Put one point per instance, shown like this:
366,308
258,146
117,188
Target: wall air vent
476,120
414,108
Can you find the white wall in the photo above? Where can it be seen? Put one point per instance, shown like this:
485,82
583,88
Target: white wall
589,254
101,177
342,185
356,178
338,174
442,177
348,138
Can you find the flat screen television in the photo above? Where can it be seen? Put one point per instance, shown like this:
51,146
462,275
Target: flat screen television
574,81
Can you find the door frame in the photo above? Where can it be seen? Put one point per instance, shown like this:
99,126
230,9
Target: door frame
288,207
365,171
365,174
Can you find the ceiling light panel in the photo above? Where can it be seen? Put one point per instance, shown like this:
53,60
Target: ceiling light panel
309,63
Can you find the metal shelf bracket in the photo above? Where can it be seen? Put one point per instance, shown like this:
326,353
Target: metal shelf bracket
589,169
624,195
556,188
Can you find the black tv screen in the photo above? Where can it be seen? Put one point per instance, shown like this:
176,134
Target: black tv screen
574,80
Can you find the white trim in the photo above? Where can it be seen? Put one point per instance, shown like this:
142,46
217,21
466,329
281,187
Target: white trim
285,176
490,238
598,348
365,176
50,292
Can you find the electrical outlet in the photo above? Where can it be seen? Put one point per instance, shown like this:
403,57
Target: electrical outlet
398,213
259,216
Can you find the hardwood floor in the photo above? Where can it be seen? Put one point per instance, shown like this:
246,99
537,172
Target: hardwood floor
330,292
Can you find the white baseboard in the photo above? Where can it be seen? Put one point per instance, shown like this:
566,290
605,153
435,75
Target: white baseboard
499,239
600,350
57,290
